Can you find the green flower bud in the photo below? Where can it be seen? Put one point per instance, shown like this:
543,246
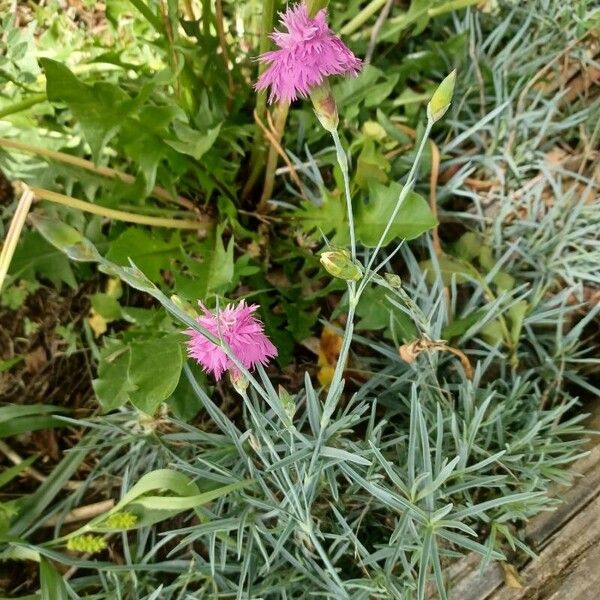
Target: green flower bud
184,306
239,381
339,263
325,106
86,543
440,101
393,280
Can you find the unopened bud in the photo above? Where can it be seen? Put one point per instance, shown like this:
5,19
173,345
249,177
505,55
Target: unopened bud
339,263
239,381
184,306
325,106
393,280
440,101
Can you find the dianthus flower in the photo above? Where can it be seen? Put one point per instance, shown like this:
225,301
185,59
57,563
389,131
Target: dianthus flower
242,332
308,54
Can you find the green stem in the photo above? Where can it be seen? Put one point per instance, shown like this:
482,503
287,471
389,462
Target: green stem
17,107
410,184
314,6
149,15
206,15
364,15
116,215
450,6
257,155
338,374
342,159
269,182
82,163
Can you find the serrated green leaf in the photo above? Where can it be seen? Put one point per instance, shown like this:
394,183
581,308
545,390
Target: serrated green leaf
191,141
100,108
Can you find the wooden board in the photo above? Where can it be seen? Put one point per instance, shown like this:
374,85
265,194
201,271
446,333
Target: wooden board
567,541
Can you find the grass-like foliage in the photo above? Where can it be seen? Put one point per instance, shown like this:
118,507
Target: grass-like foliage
464,325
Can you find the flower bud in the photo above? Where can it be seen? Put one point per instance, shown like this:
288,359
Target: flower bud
393,280
340,264
325,106
239,382
184,306
440,101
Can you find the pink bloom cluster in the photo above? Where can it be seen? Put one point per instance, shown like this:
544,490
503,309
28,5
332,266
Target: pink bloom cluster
242,332
308,53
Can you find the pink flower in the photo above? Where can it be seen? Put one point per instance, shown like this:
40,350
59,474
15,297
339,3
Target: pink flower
242,332
308,53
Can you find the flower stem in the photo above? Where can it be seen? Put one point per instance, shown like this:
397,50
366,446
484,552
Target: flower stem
82,163
364,15
116,215
258,145
408,187
280,120
342,159
22,105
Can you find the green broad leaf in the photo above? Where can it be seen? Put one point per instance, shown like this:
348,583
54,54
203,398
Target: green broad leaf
17,419
220,264
100,108
174,492
450,268
35,256
468,246
376,312
178,504
351,91
154,370
148,250
106,306
184,402
143,138
516,314
65,238
371,166
413,218
493,332
52,584
112,385
459,326
192,142
328,219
